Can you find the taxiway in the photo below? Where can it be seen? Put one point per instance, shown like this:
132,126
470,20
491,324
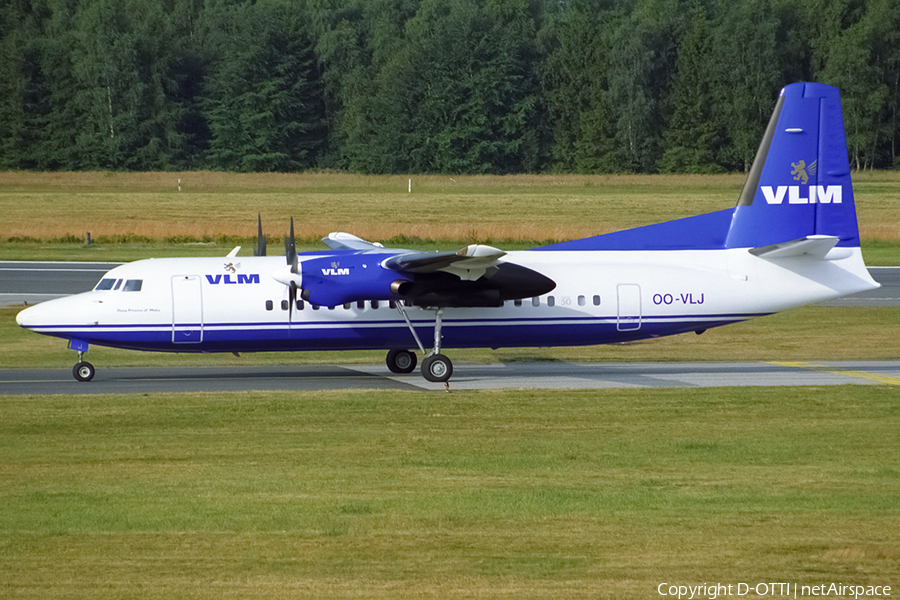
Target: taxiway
469,376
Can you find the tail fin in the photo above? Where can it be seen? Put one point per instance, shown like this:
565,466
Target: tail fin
799,184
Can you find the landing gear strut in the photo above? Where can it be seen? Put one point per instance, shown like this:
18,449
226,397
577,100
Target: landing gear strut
435,367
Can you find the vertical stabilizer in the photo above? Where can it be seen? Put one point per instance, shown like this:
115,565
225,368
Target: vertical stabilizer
799,184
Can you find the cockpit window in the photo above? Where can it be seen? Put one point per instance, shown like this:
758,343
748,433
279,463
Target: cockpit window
131,285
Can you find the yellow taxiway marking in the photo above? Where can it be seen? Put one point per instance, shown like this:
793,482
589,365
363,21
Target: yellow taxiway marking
884,379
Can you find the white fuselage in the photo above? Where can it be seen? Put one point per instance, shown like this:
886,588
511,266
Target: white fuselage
237,305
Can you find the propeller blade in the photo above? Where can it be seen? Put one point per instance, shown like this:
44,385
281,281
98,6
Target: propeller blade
292,294
290,250
260,238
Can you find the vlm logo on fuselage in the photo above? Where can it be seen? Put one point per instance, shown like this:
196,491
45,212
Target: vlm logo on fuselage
333,271
241,279
803,194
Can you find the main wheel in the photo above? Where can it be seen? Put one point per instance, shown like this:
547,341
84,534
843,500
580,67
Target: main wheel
401,361
437,368
83,371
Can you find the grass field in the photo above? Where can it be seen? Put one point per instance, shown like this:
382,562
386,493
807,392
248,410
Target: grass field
46,215
519,494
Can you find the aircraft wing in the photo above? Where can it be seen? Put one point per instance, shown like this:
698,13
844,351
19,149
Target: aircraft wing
346,241
471,276
469,263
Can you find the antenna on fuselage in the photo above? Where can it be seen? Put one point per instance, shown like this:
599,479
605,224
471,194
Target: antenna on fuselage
260,238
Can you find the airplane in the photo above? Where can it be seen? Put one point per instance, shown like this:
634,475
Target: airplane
791,240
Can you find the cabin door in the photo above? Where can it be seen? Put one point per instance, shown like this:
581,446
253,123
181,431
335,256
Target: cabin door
187,310
629,315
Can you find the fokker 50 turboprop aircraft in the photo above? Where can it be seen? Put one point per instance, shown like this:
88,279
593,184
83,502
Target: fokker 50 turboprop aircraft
791,240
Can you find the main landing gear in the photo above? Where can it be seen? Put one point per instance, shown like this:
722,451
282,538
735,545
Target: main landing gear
435,367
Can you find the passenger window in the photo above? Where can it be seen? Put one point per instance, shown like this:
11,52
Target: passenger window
300,305
285,304
581,301
551,301
374,303
270,305
392,304
133,285
315,306
517,302
361,304
596,300
105,285
535,301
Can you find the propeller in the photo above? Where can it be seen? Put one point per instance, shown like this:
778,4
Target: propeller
290,255
260,239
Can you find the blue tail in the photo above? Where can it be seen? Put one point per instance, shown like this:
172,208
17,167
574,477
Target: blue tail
799,184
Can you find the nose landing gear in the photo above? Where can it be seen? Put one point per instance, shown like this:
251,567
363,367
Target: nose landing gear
82,371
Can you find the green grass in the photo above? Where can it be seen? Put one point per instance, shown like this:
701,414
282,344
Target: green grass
147,213
397,494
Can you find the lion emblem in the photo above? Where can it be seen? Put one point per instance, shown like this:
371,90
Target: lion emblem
799,172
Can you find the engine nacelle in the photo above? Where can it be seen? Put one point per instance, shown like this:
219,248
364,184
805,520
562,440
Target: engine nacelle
344,278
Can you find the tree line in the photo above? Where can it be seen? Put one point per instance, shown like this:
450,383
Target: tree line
433,86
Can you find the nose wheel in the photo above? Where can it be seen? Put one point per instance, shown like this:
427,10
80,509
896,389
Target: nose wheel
83,371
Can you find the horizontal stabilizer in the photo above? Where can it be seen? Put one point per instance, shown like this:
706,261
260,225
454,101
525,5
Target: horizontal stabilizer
814,245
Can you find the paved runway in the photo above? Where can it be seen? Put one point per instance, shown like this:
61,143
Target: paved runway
468,376
34,282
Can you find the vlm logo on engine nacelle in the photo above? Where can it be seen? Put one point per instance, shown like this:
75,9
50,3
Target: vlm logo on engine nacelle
335,270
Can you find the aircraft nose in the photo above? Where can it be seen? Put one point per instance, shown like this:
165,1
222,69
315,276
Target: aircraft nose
45,313
28,318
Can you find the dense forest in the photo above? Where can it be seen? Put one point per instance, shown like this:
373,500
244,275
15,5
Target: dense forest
433,86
